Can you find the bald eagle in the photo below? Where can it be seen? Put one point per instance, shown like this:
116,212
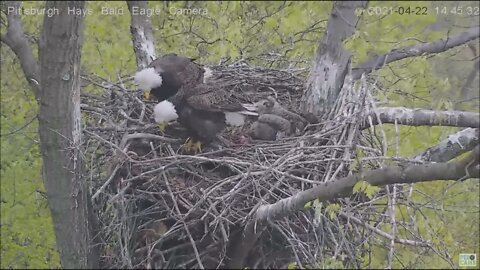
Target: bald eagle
204,108
167,74
207,109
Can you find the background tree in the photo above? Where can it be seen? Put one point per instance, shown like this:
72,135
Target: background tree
55,79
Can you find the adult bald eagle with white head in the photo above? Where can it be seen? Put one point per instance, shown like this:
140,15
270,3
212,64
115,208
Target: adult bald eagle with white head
183,89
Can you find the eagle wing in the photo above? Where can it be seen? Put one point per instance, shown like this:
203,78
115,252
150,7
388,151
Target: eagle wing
213,98
178,71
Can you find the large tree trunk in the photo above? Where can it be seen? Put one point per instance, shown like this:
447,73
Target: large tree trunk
60,136
331,62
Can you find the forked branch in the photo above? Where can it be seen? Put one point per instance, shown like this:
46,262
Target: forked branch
18,43
416,50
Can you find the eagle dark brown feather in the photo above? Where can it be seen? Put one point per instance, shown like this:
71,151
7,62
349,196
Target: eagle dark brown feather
203,125
213,98
177,72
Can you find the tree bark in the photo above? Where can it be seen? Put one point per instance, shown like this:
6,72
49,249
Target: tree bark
60,136
451,147
332,61
142,36
423,117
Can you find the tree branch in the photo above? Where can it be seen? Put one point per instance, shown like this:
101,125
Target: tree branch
468,83
458,170
18,43
423,117
142,36
415,50
451,147
379,177
384,234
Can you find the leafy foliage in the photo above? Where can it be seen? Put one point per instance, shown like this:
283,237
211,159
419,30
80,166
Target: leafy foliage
28,240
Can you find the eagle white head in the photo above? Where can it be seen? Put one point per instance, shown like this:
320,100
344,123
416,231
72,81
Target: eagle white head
148,78
164,112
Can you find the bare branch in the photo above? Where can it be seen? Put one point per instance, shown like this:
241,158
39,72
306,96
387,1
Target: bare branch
379,177
416,50
109,180
384,234
453,146
423,117
142,35
341,187
15,39
20,128
145,136
462,169
468,83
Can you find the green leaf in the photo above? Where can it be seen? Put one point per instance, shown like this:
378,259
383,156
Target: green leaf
365,187
292,265
308,205
332,210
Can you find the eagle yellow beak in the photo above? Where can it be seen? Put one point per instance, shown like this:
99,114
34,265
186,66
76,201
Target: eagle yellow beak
146,95
162,126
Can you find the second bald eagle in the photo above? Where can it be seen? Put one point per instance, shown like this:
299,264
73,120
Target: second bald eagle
203,107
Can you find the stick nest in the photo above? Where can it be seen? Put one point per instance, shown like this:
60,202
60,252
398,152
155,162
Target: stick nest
161,208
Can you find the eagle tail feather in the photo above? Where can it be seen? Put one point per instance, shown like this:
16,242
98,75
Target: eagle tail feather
248,113
249,106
